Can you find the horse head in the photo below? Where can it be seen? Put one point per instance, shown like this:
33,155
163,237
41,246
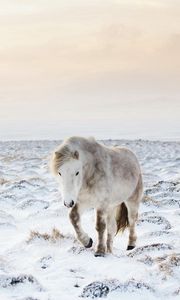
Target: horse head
68,168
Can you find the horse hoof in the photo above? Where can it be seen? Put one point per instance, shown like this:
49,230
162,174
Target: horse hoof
99,254
89,245
130,247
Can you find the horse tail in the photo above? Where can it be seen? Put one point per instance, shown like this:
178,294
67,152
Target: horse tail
122,217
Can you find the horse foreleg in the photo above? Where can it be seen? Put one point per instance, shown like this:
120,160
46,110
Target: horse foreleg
76,222
101,227
111,229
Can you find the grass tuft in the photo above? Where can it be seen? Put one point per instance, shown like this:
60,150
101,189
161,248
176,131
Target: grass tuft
53,237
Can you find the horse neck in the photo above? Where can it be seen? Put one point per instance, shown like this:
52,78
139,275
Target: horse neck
88,161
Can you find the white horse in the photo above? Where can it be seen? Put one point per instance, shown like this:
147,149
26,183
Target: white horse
107,179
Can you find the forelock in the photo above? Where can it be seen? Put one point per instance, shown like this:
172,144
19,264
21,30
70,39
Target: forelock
62,155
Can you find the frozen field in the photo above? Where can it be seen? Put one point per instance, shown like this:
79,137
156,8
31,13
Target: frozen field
41,260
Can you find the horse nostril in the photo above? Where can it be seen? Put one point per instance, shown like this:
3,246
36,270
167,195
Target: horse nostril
72,203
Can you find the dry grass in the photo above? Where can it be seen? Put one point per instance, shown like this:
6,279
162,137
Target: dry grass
53,237
149,200
167,263
3,181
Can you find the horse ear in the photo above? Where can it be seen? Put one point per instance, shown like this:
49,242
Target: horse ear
76,154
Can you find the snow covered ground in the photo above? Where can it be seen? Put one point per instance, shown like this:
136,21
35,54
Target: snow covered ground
39,256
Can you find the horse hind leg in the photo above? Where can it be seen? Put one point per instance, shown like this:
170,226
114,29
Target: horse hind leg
132,205
132,218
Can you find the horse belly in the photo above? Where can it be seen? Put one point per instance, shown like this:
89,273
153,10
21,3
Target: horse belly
122,190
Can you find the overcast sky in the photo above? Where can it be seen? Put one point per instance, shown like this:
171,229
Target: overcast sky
105,68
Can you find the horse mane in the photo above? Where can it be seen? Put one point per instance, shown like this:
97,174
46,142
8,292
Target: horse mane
60,156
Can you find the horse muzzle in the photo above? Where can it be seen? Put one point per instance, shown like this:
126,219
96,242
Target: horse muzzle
70,204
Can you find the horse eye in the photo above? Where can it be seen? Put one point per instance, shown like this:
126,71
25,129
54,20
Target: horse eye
77,173
59,173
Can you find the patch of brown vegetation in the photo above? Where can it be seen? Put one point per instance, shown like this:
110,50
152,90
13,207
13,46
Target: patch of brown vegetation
53,237
149,200
166,263
3,181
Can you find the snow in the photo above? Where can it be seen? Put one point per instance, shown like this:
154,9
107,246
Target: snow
39,255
